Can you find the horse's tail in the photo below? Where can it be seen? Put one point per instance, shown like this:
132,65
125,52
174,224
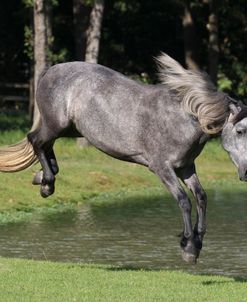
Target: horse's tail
17,157
20,156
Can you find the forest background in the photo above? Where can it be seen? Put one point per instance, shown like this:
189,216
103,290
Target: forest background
209,35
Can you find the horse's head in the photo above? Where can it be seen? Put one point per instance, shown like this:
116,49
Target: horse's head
234,138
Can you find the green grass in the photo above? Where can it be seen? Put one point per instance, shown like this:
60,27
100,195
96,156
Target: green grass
23,280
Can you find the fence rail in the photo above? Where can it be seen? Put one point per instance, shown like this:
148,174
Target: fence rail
14,94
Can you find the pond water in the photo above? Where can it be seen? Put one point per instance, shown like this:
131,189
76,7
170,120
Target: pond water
137,234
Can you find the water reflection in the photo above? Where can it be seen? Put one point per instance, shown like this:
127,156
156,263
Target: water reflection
135,233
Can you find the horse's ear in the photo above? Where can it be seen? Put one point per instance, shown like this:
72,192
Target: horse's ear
237,112
234,111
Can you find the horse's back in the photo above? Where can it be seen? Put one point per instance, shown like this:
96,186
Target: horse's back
119,116
103,105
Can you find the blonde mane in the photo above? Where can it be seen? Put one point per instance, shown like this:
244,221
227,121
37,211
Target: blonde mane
199,96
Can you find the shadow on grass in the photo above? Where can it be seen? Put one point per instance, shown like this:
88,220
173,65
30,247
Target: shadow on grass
232,279
216,282
132,268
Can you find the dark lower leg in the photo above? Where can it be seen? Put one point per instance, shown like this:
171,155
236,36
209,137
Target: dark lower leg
53,161
169,177
191,180
50,155
48,178
42,140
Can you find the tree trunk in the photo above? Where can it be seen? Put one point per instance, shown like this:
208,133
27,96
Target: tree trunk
94,32
42,34
191,60
93,42
213,51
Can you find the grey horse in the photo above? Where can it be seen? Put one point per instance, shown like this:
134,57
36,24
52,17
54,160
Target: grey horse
163,127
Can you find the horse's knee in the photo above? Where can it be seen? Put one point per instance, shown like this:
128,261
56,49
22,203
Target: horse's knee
185,205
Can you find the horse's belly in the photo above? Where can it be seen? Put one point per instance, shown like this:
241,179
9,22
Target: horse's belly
113,140
113,135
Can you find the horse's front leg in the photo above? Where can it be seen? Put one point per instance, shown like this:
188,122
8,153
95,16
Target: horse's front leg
189,177
168,176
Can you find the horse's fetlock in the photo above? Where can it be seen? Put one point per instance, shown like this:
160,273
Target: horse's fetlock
48,180
201,230
186,237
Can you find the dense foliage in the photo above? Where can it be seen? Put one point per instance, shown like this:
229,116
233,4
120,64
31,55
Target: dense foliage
134,31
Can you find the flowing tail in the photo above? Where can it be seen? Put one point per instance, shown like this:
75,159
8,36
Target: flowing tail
17,157
21,155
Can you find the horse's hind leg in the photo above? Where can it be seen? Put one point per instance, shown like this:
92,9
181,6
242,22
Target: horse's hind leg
50,155
48,180
53,161
42,140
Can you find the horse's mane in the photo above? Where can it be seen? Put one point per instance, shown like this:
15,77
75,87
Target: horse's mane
199,96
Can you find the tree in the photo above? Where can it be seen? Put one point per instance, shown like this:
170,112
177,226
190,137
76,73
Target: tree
93,35
191,60
42,36
94,32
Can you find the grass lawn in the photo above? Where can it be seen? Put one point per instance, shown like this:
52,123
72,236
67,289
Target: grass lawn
22,280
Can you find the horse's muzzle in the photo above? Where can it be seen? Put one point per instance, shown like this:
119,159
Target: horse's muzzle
242,173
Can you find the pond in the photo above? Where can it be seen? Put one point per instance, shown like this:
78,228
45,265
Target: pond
136,233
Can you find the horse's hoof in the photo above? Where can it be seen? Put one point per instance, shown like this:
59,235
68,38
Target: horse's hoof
37,180
47,190
189,258
190,249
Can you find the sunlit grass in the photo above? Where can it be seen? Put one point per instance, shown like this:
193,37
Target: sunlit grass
25,280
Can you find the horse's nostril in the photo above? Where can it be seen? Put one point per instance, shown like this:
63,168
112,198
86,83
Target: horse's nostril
242,174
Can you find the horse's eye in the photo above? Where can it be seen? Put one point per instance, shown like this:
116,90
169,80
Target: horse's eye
240,131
